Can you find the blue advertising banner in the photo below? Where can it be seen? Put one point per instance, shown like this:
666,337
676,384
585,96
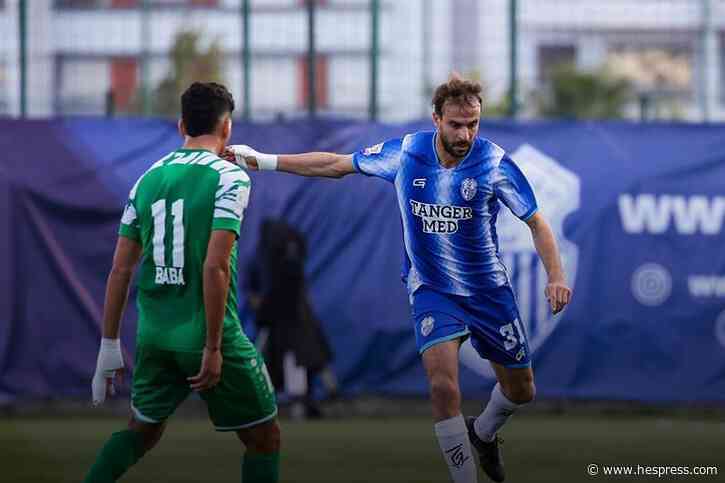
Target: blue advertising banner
638,210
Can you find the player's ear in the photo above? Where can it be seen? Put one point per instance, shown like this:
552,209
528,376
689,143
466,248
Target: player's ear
182,128
436,120
227,128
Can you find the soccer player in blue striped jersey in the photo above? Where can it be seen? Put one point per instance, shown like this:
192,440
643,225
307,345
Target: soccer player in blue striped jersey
450,184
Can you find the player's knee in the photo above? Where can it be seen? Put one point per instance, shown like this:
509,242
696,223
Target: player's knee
444,391
150,433
264,439
522,392
274,437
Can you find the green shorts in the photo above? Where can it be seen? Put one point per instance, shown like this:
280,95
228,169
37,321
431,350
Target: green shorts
243,398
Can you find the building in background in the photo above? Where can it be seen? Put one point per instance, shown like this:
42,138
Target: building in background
672,51
81,51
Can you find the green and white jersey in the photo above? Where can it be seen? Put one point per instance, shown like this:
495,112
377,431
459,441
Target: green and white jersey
172,210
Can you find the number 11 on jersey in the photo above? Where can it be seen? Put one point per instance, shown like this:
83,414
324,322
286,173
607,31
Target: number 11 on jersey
173,275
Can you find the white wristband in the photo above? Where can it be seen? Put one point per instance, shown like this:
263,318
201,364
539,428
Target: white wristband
267,162
113,344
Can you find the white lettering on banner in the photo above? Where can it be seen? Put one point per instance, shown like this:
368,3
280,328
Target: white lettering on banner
651,284
702,286
655,214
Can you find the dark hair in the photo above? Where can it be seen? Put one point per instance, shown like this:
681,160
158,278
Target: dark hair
457,90
202,105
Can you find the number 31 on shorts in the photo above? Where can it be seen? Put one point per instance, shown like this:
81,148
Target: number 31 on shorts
509,333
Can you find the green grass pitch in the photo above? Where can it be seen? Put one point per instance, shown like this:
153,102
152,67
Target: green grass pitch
539,448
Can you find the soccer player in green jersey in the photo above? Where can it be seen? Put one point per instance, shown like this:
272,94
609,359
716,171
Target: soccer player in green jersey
182,222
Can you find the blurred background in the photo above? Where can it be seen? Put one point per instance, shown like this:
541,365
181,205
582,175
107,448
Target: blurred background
613,109
654,59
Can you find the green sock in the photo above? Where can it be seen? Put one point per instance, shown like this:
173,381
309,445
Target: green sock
120,452
260,468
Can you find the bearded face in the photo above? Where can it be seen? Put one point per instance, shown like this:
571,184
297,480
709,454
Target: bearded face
458,127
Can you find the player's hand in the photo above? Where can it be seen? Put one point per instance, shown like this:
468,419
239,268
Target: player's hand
210,372
109,366
242,155
558,294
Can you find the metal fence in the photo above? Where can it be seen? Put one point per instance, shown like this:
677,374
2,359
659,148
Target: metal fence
365,58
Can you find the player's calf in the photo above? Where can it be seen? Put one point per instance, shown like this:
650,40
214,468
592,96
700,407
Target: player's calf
441,364
445,396
521,391
123,449
260,463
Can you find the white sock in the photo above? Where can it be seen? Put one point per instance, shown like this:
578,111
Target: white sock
453,439
498,410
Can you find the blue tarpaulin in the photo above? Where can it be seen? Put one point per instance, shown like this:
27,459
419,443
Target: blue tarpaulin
638,210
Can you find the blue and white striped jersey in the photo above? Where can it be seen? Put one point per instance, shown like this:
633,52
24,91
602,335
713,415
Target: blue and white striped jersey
449,214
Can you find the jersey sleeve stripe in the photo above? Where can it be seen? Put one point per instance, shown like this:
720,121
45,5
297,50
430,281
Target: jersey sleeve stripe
231,176
235,210
227,197
157,164
231,189
129,214
232,205
221,212
232,184
214,164
229,169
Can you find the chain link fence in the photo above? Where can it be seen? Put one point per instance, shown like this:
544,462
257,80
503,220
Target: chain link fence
637,59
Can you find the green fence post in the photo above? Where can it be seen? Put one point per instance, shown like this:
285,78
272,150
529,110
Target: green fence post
374,57
23,34
145,45
513,67
426,48
311,59
246,61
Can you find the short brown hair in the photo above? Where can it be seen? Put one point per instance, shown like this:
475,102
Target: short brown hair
457,90
202,105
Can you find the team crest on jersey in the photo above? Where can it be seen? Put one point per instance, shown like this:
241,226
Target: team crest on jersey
469,188
426,326
558,194
373,149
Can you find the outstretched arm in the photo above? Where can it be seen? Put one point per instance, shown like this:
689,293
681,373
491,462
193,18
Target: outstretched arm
328,165
557,291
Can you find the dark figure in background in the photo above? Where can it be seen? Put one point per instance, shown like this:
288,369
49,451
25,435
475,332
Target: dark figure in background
291,336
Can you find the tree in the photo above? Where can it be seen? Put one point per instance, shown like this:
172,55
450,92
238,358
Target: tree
661,77
575,94
498,109
489,109
188,64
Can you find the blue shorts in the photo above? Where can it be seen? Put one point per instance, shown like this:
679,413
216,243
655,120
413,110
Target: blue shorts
491,319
